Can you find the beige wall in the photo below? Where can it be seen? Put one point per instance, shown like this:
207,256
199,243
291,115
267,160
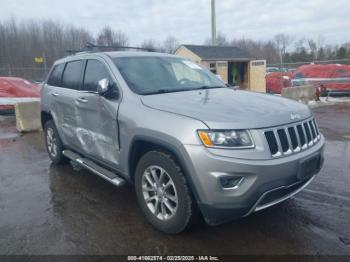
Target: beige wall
185,53
221,69
257,72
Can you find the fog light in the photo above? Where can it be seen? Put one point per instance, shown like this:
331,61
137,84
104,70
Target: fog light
231,182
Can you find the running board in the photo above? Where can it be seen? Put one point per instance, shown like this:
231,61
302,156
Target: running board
98,170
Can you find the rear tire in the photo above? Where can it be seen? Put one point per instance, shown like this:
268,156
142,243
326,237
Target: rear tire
163,193
54,144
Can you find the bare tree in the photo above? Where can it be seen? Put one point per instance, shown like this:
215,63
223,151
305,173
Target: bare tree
170,45
315,46
149,44
282,42
108,36
221,40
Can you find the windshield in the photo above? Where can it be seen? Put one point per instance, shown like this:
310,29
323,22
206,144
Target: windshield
153,75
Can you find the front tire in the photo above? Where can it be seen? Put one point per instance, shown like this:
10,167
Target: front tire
163,193
53,143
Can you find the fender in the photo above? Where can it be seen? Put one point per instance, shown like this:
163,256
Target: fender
176,151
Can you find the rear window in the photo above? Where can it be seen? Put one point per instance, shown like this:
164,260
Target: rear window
56,75
72,75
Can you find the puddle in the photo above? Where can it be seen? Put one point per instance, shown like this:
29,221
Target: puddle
8,135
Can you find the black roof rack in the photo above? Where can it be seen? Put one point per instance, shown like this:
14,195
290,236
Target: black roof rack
90,47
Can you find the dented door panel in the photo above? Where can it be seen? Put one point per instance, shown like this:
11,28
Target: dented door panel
97,130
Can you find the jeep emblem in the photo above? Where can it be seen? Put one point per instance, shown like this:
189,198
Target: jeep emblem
294,116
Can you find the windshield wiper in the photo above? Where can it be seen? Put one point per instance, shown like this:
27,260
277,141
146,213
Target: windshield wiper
208,87
163,91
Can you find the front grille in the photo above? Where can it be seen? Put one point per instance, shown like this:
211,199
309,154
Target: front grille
293,138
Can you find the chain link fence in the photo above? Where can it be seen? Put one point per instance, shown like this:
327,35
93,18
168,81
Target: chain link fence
295,65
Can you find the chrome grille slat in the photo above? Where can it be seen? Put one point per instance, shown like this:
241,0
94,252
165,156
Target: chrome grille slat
316,127
307,140
313,128
293,138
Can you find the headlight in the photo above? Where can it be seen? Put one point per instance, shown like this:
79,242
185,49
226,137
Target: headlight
226,138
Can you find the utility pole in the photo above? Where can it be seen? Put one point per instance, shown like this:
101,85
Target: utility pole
281,68
213,23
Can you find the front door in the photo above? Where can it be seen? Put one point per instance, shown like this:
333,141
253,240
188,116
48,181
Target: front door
97,130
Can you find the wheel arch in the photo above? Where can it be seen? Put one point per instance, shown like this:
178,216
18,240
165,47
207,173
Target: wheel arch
142,144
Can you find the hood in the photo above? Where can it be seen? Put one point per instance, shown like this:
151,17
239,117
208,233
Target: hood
225,108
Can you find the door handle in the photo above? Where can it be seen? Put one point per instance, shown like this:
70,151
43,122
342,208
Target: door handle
54,94
82,100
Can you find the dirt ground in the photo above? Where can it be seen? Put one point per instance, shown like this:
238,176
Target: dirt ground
46,209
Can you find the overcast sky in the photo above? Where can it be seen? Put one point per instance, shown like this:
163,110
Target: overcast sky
189,20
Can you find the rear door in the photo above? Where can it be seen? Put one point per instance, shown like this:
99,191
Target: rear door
98,126
65,110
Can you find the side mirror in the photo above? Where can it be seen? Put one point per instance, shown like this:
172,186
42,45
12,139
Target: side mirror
103,86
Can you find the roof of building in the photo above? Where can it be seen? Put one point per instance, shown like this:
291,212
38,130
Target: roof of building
207,52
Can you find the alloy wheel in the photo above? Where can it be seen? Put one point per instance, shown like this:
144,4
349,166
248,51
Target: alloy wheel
159,192
51,141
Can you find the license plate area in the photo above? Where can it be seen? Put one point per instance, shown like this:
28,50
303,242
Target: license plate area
309,167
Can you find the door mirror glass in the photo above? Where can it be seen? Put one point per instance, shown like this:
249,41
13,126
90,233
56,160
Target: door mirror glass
103,86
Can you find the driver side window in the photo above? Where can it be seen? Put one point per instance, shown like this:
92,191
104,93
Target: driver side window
94,72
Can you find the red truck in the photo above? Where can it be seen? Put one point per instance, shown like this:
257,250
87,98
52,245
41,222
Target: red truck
275,79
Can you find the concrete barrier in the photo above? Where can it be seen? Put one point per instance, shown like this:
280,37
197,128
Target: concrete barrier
28,116
300,93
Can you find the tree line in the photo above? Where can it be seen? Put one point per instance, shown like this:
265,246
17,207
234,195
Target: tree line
288,48
21,41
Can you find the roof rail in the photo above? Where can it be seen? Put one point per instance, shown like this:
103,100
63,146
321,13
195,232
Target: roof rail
73,52
90,47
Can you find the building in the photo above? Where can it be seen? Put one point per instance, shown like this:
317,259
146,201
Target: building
233,65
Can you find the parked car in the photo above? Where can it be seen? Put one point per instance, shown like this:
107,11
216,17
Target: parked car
276,81
189,144
14,90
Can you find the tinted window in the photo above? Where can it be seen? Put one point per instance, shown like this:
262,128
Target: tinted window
56,75
94,72
72,75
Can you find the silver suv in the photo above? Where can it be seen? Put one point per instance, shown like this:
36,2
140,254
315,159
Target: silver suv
189,144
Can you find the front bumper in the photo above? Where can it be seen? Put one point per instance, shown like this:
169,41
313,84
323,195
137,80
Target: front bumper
266,182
